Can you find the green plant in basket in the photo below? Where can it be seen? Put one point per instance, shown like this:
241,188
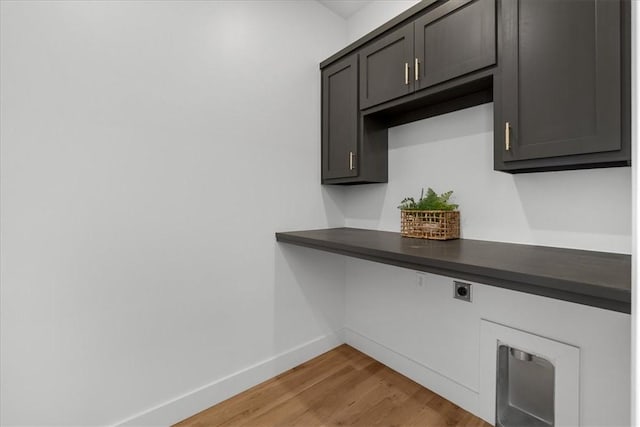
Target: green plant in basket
429,202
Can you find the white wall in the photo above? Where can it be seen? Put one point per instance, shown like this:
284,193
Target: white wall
373,15
150,150
411,322
586,209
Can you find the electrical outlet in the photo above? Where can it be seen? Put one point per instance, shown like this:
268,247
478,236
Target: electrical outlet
462,291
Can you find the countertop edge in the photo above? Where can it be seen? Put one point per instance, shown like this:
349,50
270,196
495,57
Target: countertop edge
592,295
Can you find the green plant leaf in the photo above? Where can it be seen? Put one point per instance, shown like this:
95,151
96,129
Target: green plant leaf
431,202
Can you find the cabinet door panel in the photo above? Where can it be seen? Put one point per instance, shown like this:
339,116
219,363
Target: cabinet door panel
340,119
385,68
456,38
561,78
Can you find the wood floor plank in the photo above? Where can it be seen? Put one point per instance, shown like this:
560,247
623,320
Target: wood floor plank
342,387
320,400
265,396
401,415
364,398
349,398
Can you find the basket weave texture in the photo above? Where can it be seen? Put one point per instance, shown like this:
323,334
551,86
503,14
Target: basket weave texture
435,225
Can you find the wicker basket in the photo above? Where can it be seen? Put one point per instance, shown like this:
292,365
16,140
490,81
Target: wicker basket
436,225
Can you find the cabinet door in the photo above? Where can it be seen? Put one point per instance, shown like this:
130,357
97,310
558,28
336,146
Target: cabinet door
560,80
385,68
340,118
454,39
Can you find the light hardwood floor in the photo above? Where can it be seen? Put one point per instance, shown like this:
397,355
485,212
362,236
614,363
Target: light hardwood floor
342,387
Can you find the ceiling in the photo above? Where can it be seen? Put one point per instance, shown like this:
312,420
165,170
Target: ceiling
345,8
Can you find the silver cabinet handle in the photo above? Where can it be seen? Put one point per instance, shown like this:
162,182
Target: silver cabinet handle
507,134
417,73
351,160
406,73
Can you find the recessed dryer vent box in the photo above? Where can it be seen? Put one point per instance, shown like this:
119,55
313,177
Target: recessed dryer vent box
524,389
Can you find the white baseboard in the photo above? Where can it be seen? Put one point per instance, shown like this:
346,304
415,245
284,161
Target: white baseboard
191,403
457,393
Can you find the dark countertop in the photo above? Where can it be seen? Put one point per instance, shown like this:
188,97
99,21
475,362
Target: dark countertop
598,279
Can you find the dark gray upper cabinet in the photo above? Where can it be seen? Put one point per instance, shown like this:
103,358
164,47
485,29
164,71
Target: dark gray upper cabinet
558,72
453,39
385,67
345,160
340,119
456,38
562,91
